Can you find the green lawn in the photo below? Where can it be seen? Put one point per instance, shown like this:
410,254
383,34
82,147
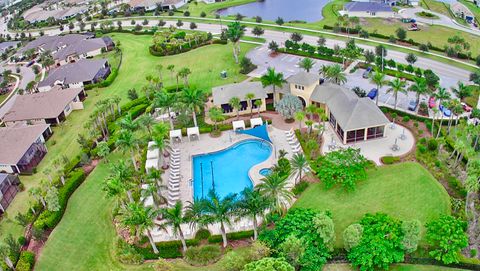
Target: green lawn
206,63
398,267
436,6
196,7
405,191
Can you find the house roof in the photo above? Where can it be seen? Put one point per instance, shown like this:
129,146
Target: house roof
15,141
367,6
350,111
7,44
304,78
37,13
66,45
80,71
42,105
223,94
144,3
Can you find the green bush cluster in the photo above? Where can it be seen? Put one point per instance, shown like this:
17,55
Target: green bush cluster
231,236
300,187
202,234
48,219
26,261
168,250
127,254
388,160
203,255
168,43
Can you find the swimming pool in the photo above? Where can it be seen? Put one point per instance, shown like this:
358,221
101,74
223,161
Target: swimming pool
227,170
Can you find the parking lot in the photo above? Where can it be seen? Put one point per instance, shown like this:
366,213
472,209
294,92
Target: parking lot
288,65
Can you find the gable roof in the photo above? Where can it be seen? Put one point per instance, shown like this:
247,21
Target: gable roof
66,45
368,6
42,105
304,78
15,141
223,94
350,111
80,71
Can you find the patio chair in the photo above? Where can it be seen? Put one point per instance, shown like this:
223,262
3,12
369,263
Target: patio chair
176,170
297,149
290,132
173,194
174,189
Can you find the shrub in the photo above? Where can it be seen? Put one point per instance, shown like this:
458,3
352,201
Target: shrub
406,119
167,250
22,240
202,234
231,236
432,144
233,261
300,187
162,265
26,261
388,160
203,255
421,148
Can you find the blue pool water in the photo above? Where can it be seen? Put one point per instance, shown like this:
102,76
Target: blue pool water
265,171
227,170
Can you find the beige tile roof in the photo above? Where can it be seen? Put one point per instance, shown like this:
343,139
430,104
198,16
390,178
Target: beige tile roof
42,105
15,141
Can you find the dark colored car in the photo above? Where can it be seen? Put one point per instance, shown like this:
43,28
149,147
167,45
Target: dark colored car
412,105
372,93
30,63
367,72
445,111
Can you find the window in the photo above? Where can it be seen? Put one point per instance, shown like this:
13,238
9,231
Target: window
300,87
355,135
375,132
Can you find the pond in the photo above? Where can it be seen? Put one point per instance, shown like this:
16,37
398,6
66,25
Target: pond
288,10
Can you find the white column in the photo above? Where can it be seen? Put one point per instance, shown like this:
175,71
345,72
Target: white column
344,137
366,133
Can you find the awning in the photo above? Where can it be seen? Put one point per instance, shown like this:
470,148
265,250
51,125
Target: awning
193,131
238,125
259,131
176,134
256,122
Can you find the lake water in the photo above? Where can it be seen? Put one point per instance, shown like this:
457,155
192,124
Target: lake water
288,10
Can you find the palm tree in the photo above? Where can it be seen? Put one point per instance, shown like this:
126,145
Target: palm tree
234,33
299,116
253,205
194,98
5,254
184,73
127,123
171,68
378,78
117,189
166,100
456,109
258,103
216,115
335,74
396,86
299,165
141,219
128,143
235,104
311,110
441,95
419,87
306,64
274,187
147,121
435,112
323,70
219,210
152,189
462,91
249,97
274,79
175,217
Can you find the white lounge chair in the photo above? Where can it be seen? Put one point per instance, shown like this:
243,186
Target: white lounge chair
175,170
175,165
297,150
290,132
174,189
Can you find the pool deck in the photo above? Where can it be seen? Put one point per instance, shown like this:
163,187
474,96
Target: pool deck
208,144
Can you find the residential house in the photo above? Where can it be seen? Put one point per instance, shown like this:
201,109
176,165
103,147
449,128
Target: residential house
69,48
51,107
23,147
6,45
352,118
150,5
76,75
368,9
8,189
43,12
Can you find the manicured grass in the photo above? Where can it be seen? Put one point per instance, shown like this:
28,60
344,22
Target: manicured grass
206,63
405,191
196,8
436,6
397,267
473,100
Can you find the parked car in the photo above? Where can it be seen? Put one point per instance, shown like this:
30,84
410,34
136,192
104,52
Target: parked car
466,107
412,105
446,112
372,93
30,63
367,72
431,102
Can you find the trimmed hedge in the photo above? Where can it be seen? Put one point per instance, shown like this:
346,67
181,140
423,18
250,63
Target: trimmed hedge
388,160
231,236
105,83
315,55
168,250
26,261
138,110
48,219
